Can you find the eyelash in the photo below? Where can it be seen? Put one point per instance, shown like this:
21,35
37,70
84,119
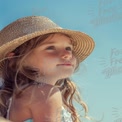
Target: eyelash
52,47
69,48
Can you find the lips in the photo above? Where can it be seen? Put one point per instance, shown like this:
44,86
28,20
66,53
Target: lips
65,64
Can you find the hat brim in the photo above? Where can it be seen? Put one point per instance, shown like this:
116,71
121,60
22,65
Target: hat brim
83,47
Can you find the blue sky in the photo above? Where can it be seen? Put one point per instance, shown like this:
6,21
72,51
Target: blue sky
100,75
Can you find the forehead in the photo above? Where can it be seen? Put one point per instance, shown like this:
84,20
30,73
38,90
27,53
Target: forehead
57,38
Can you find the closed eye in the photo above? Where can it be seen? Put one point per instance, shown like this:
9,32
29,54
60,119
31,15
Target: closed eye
50,48
69,48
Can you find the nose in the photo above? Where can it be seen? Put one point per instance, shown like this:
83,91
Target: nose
67,55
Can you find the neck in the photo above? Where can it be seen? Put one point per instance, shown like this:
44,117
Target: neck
46,80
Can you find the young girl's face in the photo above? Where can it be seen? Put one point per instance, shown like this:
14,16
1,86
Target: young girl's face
53,57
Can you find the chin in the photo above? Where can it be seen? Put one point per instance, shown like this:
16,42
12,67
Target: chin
65,75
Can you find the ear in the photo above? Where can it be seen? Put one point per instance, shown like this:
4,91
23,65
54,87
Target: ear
10,55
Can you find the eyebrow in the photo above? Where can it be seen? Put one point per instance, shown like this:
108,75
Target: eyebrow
52,42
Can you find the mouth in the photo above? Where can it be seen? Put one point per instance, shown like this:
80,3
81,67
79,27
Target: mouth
67,64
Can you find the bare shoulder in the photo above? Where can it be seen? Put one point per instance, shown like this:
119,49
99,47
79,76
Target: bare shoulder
37,102
41,94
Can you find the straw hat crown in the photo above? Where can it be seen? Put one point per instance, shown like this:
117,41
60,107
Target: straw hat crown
25,26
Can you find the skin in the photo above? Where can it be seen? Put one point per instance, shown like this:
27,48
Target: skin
53,58
55,61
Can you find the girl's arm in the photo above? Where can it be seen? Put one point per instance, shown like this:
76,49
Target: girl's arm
48,110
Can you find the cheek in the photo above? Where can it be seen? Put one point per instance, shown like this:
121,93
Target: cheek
75,62
48,60
51,58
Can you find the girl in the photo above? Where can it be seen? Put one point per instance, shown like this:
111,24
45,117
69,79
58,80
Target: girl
37,58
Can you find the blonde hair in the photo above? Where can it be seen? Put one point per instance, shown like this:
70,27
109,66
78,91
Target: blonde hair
12,83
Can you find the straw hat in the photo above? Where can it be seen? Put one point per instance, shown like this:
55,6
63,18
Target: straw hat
27,28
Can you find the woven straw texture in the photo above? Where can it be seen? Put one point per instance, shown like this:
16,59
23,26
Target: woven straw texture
27,28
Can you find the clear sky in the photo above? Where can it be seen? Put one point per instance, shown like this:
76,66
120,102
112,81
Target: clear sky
100,75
